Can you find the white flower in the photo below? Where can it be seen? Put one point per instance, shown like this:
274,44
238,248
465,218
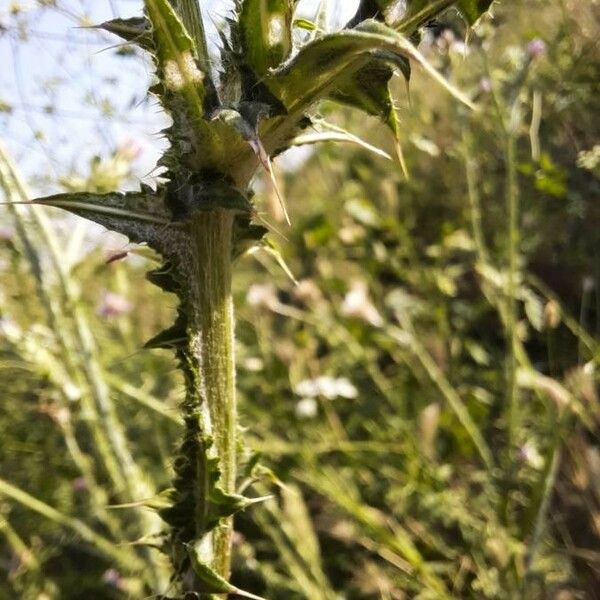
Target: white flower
262,296
345,389
306,408
358,305
10,330
254,364
71,391
327,387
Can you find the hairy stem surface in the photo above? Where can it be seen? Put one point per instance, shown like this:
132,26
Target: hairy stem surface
211,347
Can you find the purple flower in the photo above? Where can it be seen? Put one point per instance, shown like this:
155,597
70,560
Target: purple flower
536,48
113,578
79,485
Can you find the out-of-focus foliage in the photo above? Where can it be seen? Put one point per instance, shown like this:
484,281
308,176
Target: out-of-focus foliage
377,390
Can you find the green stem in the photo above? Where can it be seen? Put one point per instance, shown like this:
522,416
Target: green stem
191,15
512,201
543,505
211,348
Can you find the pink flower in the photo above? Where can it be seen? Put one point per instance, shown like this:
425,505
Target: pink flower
6,233
485,85
113,305
113,578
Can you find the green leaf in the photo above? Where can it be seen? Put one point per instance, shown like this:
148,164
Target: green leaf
266,33
321,67
161,500
420,12
212,582
173,337
190,13
195,469
384,10
246,235
136,30
138,215
473,9
368,90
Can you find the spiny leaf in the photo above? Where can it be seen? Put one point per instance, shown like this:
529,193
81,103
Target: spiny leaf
161,500
322,66
369,90
212,582
165,278
138,215
195,469
173,337
419,12
385,10
136,30
191,15
266,33
246,235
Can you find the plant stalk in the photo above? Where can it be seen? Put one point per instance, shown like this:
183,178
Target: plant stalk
211,349
512,285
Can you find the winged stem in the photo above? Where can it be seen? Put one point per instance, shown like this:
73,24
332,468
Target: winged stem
211,348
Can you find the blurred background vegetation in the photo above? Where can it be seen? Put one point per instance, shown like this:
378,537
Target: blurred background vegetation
422,401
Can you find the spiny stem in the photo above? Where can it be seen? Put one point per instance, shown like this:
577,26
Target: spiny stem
211,346
191,16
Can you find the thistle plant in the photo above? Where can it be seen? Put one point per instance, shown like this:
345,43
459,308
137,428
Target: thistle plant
227,125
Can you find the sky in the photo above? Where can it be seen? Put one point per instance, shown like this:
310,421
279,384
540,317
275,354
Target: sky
68,95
